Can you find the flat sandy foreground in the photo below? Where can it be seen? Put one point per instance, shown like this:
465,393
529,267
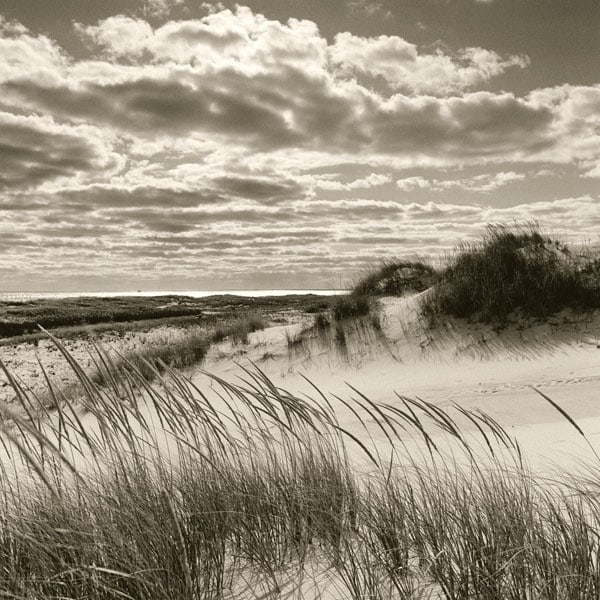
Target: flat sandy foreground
455,363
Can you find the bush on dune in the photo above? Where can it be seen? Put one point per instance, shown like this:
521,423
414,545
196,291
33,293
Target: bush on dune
394,278
350,306
511,269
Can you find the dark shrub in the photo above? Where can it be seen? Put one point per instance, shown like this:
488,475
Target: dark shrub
349,306
395,278
513,268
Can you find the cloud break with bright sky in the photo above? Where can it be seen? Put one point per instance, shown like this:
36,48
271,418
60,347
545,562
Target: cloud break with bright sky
180,144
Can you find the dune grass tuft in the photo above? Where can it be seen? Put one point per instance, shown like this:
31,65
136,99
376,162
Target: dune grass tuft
239,328
392,278
350,306
514,268
395,278
184,348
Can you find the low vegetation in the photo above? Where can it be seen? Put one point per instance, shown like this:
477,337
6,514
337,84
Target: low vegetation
392,278
238,328
510,269
180,349
80,315
395,278
514,269
351,306
239,491
18,318
177,348
321,321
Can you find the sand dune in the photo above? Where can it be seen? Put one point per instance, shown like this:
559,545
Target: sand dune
472,365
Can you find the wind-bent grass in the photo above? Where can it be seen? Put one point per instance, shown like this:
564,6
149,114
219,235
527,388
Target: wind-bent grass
180,349
172,490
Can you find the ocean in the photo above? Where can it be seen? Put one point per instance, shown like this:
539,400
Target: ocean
25,296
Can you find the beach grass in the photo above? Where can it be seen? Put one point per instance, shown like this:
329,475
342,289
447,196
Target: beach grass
239,327
176,490
351,306
511,269
178,348
517,268
395,278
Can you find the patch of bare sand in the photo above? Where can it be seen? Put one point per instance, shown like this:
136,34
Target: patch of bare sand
23,359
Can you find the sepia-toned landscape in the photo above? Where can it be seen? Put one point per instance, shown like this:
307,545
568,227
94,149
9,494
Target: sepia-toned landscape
430,434
300,300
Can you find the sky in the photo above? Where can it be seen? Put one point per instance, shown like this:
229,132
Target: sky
185,144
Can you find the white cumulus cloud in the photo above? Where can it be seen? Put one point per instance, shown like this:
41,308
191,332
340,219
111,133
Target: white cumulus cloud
406,69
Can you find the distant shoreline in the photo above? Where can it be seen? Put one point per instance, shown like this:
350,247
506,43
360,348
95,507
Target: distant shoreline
24,296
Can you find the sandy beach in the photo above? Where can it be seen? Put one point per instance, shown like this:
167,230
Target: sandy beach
471,365
474,366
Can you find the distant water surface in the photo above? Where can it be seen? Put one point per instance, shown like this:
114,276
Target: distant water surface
24,296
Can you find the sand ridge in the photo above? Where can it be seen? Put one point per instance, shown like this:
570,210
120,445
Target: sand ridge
477,366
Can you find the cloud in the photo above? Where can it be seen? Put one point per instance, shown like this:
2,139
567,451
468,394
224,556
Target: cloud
403,68
475,124
225,240
225,37
594,172
217,144
262,189
22,52
294,109
487,182
160,8
368,8
118,36
244,81
372,180
408,184
34,150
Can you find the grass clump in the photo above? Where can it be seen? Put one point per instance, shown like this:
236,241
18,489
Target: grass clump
321,321
395,278
513,268
180,350
239,328
350,306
